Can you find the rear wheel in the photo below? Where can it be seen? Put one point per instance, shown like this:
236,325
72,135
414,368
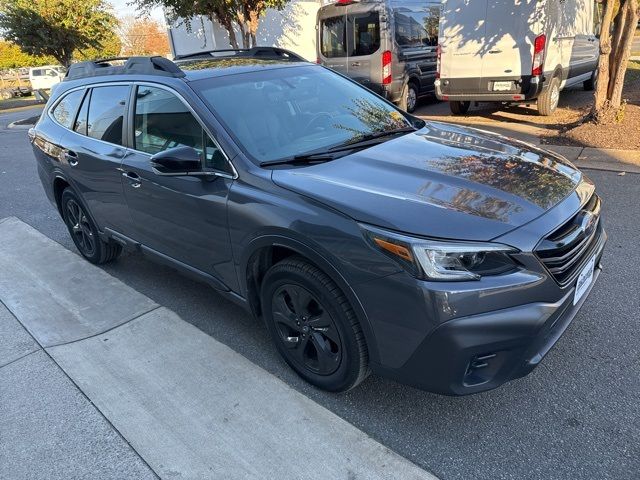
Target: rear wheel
459,108
84,232
313,326
549,98
411,97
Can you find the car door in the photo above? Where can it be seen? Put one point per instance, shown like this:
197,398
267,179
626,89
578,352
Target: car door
181,217
93,151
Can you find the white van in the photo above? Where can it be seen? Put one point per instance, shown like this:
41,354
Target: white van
43,78
514,51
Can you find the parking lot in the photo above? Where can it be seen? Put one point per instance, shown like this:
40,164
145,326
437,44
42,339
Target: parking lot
576,416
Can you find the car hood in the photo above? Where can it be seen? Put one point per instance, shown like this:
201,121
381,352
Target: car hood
442,181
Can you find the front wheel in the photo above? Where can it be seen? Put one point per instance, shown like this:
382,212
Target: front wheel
84,232
459,108
313,326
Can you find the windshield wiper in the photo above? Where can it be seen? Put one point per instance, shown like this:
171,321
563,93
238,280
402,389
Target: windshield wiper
327,154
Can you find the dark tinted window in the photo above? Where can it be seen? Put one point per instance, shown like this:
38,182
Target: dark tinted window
366,34
81,122
106,113
65,110
333,37
162,121
417,27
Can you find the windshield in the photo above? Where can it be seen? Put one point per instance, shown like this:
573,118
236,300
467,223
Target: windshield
281,113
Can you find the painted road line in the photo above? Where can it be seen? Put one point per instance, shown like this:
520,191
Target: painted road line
189,405
58,296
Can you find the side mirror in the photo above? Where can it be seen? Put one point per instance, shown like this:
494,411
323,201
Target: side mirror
177,161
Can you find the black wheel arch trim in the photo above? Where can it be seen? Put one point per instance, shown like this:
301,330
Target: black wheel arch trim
322,262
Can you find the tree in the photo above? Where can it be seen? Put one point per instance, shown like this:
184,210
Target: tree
58,28
619,22
248,17
142,36
221,11
12,57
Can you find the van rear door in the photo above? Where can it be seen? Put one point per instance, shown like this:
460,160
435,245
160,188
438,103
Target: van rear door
332,38
364,53
507,49
461,40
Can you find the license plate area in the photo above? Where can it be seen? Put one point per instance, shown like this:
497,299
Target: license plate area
502,86
584,279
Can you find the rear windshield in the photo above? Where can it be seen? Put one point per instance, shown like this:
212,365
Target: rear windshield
357,33
416,27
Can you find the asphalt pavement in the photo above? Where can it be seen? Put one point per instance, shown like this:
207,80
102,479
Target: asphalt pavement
576,416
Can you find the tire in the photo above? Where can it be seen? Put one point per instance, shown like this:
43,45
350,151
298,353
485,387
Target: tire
410,97
548,99
301,302
6,95
459,108
84,232
590,85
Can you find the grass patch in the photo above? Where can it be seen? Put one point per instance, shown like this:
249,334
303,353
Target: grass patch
633,72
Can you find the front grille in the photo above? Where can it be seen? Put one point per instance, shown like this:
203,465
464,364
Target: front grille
566,250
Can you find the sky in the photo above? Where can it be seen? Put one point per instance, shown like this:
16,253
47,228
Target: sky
122,9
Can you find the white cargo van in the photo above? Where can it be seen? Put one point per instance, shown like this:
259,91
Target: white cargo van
514,51
43,78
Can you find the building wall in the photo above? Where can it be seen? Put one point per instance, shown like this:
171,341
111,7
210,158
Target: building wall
292,28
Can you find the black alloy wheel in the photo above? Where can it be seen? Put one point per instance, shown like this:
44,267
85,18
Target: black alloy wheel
306,329
80,228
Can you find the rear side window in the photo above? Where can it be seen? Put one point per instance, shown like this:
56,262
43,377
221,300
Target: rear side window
106,113
366,33
64,112
163,121
417,27
333,37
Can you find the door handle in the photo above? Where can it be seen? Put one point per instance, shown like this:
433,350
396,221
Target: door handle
134,179
495,51
71,157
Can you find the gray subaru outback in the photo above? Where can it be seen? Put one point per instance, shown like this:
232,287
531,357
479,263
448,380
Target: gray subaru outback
366,239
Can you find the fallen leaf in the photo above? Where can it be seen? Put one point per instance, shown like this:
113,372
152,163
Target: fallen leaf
622,174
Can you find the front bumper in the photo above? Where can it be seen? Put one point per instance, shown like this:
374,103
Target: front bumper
479,352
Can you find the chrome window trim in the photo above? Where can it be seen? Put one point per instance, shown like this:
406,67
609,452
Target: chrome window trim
202,124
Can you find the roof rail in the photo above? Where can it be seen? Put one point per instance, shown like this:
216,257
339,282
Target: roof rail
137,65
269,53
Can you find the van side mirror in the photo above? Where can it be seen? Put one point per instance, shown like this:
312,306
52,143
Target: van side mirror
177,161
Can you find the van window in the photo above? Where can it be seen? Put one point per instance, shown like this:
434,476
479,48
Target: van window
65,110
366,33
416,27
106,113
36,73
333,37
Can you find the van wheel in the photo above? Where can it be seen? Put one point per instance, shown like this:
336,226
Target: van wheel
459,108
409,98
313,325
548,99
84,232
591,84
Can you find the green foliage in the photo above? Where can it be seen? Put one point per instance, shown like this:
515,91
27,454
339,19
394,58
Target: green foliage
58,28
12,57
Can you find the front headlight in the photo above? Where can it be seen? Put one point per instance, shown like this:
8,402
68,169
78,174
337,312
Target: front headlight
442,260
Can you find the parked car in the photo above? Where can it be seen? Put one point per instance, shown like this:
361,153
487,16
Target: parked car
366,239
388,46
515,52
43,78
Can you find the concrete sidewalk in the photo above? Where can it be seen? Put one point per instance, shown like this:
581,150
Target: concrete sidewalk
187,405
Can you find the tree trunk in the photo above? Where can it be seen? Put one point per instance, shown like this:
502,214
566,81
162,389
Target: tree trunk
601,110
226,22
624,49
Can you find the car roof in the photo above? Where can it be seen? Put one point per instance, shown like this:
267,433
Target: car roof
197,69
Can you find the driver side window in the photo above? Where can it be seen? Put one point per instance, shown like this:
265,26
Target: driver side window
162,122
